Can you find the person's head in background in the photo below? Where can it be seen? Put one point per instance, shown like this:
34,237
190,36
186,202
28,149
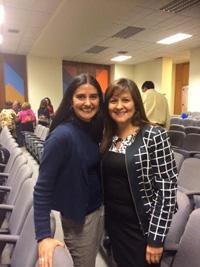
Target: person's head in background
82,99
26,106
48,100
123,105
147,85
8,105
43,103
16,106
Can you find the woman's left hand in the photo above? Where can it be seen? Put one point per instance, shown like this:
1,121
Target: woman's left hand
153,254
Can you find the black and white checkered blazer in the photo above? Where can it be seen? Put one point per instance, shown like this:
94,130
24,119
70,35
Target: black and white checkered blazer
152,176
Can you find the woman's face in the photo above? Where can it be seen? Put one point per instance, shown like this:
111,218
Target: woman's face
121,107
85,102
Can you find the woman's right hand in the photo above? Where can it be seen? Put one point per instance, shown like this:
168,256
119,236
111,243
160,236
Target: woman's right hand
46,249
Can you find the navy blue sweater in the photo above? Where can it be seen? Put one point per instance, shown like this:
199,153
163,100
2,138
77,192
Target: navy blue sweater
69,176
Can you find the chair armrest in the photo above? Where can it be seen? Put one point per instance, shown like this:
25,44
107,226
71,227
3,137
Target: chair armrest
6,174
6,207
2,165
171,247
5,188
12,239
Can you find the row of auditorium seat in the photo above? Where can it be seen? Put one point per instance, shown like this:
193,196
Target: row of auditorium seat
185,129
18,247
185,122
186,144
34,141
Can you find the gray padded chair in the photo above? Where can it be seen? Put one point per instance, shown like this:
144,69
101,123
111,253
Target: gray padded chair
12,190
179,221
25,245
187,254
176,138
192,129
189,175
62,258
16,214
179,158
177,127
176,120
13,156
177,228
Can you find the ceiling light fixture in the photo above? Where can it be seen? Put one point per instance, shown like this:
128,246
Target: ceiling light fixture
120,58
174,38
2,14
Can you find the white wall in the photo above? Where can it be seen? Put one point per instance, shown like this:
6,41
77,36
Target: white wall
44,76
122,71
194,81
148,71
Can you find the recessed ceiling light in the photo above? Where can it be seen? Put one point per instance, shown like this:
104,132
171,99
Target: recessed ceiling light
121,58
1,38
2,14
174,38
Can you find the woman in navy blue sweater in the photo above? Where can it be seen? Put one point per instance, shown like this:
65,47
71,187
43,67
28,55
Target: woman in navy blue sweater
69,175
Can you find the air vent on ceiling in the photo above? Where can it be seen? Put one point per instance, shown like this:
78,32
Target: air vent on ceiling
122,52
96,49
13,30
128,32
179,5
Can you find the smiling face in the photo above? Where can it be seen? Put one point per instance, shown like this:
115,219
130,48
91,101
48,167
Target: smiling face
121,107
85,102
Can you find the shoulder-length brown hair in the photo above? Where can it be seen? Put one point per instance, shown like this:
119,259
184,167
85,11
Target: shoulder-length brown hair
139,118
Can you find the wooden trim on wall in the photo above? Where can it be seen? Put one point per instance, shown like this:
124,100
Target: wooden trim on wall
181,80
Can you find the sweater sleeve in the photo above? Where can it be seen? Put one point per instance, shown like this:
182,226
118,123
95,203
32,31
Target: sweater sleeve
54,155
165,187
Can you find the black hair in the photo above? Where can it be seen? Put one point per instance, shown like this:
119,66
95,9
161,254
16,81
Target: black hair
65,111
148,85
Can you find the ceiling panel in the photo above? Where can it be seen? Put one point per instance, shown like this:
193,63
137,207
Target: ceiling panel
66,29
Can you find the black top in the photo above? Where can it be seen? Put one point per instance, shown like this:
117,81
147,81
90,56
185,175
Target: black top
117,195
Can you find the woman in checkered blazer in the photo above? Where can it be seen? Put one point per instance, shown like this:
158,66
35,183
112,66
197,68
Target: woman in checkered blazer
140,178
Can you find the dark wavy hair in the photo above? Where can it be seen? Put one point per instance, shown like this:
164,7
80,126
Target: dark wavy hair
139,118
65,111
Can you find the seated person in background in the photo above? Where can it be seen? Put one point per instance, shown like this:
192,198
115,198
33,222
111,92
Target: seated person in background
49,107
43,113
16,106
7,117
26,118
155,105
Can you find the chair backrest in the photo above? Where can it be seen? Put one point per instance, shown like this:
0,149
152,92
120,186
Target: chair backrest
15,153
22,206
192,142
188,122
25,251
175,120
192,129
176,138
179,220
189,175
4,135
188,250
24,173
62,258
177,127
19,161
44,133
179,158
